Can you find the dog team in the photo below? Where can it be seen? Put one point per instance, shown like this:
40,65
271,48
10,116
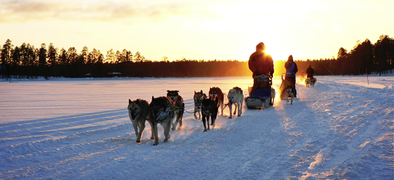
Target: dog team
168,110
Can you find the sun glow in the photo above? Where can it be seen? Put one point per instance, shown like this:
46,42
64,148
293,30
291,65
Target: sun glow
276,54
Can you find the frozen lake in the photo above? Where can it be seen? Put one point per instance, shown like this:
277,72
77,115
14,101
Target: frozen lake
79,129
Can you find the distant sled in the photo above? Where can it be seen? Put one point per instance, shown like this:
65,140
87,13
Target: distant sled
286,91
261,95
310,82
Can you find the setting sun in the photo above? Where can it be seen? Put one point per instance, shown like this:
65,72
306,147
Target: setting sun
276,54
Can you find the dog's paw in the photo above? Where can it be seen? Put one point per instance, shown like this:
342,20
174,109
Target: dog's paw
139,142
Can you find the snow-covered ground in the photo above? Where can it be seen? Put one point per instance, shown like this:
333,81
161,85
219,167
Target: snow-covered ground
79,129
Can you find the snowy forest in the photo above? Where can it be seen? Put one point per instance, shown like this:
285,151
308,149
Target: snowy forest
26,61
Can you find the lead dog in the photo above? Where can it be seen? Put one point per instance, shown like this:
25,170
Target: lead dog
209,109
162,112
198,97
179,108
216,93
138,111
236,97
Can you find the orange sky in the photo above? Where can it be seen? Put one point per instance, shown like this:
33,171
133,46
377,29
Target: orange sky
204,29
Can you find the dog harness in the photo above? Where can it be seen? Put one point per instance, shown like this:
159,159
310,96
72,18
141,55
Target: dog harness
164,114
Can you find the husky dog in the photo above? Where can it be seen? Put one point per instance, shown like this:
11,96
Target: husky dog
236,97
209,109
310,82
288,94
162,112
198,97
179,108
138,111
216,93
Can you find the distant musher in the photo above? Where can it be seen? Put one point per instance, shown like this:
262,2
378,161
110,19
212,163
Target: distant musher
291,70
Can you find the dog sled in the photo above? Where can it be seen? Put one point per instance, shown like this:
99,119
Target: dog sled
310,82
286,91
261,95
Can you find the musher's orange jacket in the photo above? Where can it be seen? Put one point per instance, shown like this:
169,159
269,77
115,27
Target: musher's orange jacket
261,63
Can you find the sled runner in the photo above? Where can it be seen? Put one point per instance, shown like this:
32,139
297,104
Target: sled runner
286,91
261,95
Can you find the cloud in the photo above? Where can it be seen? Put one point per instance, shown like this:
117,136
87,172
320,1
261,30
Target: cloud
70,10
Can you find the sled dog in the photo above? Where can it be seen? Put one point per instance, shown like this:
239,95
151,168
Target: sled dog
198,97
216,93
288,95
138,111
162,112
236,97
209,109
310,82
179,108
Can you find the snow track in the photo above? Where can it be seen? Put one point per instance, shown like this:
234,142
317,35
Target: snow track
340,128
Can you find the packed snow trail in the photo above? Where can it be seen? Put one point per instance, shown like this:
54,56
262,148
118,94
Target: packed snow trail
340,128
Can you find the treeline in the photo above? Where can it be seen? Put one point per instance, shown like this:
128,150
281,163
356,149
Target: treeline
25,61
364,58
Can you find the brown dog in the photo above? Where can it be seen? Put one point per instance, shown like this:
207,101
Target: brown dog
179,107
216,93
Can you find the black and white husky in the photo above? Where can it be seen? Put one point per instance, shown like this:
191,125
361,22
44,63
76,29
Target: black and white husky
209,109
179,107
236,97
162,112
138,111
288,95
198,97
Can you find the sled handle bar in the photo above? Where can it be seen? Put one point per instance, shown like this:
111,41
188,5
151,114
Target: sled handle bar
262,76
286,74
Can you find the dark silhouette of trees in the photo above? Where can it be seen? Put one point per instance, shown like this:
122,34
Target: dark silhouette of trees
384,54
364,58
6,53
30,62
361,57
42,55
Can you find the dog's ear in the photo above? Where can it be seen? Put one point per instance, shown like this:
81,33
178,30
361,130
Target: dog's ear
201,91
138,101
129,101
153,98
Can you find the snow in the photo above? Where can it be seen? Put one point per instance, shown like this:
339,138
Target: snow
79,129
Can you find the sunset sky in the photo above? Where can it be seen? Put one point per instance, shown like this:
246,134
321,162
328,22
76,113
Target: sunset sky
203,29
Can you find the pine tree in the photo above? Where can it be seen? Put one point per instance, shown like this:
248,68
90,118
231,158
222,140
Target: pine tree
42,55
52,55
6,52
